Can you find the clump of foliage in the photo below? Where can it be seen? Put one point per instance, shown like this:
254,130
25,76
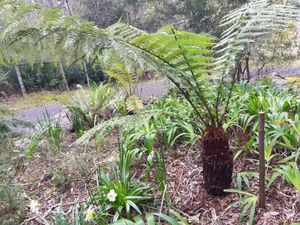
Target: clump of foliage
90,107
120,194
12,204
281,107
4,129
48,129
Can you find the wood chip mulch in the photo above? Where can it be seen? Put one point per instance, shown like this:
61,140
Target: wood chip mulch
185,185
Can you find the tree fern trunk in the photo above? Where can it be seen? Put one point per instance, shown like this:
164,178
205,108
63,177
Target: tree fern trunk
20,79
62,72
217,161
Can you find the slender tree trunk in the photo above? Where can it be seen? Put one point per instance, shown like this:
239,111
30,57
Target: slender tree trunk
239,71
217,161
62,72
248,69
20,79
38,74
67,4
70,11
86,72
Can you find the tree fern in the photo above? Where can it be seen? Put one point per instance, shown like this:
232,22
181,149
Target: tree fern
253,22
186,58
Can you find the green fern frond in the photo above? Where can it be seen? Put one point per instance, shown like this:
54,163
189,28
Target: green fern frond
126,122
254,22
125,31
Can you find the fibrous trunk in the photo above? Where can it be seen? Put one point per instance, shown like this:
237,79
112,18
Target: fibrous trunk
217,159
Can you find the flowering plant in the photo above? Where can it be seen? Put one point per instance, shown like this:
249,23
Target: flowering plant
120,196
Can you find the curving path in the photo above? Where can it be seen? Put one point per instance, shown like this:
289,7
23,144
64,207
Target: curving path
153,88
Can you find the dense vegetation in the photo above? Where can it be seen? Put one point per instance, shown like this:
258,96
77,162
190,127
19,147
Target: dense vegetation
165,160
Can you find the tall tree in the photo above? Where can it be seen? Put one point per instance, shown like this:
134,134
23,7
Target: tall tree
20,79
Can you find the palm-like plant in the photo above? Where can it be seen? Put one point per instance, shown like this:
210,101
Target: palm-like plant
186,59
14,20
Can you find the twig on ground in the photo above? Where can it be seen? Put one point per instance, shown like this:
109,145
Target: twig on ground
42,217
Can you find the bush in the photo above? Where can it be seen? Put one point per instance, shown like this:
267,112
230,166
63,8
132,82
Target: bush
47,76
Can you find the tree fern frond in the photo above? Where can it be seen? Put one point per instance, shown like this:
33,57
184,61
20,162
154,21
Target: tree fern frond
251,23
126,122
125,31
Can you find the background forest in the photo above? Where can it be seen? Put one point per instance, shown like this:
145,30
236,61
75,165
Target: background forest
150,15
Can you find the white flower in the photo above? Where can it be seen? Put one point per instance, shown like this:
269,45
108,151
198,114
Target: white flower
34,206
112,195
89,215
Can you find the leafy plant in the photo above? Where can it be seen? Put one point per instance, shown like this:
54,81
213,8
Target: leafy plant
134,104
150,218
244,177
119,193
78,120
4,129
90,107
3,78
127,75
78,216
13,207
290,171
52,131
248,203
46,129
186,60
281,116
32,147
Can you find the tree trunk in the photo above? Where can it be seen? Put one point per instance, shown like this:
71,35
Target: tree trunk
67,4
38,74
217,161
61,68
86,74
70,11
20,79
248,70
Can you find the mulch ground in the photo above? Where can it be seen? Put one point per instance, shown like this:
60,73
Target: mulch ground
184,180
185,185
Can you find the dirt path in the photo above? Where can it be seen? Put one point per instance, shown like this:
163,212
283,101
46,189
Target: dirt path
153,88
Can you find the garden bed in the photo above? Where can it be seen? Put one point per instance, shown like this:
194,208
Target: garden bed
184,180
